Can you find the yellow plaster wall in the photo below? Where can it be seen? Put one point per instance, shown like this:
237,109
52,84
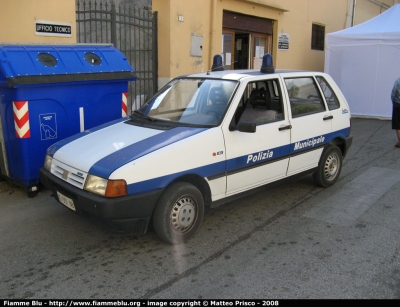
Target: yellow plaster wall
365,10
201,18
174,36
294,17
297,22
17,20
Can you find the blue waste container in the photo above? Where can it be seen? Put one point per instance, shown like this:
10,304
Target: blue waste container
50,92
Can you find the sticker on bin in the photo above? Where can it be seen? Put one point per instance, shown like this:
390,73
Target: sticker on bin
48,126
124,104
21,119
66,201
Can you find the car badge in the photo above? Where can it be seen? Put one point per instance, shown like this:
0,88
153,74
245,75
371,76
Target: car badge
65,175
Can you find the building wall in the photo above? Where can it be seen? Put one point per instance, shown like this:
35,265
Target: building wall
297,22
17,20
295,18
367,9
203,19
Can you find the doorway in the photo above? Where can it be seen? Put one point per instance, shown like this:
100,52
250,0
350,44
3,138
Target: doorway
245,40
241,51
244,50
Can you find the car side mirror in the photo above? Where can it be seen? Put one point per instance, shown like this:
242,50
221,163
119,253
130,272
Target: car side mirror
249,127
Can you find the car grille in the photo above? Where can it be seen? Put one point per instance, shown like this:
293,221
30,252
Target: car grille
69,174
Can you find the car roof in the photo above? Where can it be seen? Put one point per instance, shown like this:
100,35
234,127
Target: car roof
245,73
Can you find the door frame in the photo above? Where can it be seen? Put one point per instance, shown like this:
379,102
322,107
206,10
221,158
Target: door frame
252,47
231,32
267,38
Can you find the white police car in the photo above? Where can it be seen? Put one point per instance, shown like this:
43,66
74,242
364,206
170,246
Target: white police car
201,140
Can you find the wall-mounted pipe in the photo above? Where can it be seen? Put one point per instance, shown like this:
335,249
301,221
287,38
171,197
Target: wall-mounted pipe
353,14
213,15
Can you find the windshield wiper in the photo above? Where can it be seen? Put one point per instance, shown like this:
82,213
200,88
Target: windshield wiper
144,115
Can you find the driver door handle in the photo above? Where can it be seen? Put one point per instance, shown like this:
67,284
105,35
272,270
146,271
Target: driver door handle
285,127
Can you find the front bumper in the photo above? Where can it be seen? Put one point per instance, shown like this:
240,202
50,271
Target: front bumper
130,213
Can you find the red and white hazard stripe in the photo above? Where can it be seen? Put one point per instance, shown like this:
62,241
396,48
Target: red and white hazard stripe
124,104
21,119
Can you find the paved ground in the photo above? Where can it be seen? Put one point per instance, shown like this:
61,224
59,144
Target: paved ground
290,240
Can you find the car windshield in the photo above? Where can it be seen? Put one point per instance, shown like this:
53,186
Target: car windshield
191,101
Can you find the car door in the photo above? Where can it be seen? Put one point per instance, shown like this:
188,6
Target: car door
311,122
256,158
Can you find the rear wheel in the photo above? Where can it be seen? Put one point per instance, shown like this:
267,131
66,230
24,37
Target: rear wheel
179,213
329,167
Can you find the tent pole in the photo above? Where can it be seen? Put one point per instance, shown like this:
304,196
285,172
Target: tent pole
354,12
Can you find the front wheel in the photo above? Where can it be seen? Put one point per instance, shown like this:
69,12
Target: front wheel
179,213
329,167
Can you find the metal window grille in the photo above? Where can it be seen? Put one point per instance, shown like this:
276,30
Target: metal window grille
318,37
131,30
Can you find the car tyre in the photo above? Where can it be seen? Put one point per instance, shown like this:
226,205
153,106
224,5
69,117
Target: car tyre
329,167
179,213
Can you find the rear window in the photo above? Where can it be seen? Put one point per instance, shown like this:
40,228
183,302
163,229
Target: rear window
330,97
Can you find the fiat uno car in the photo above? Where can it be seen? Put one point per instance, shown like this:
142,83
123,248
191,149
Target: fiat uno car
202,140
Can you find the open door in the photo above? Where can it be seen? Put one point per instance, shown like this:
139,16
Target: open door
261,46
228,40
244,50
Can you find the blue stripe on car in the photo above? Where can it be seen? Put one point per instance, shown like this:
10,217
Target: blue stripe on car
231,165
257,157
105,166
318,140
164,181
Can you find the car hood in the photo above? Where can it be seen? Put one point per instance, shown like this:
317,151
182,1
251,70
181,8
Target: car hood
102,150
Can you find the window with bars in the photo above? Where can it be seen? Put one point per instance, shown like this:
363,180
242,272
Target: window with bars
318,37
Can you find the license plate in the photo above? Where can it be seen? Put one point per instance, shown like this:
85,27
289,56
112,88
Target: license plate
66,201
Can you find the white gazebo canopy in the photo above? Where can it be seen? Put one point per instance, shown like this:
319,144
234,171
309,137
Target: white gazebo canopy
365,62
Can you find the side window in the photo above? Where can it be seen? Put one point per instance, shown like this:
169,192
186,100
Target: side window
261,103
304,96
330,97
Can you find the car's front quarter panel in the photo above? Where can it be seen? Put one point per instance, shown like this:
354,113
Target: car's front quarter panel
202,154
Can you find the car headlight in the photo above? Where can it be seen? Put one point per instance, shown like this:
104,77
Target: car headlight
105,187
95,184
47,162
